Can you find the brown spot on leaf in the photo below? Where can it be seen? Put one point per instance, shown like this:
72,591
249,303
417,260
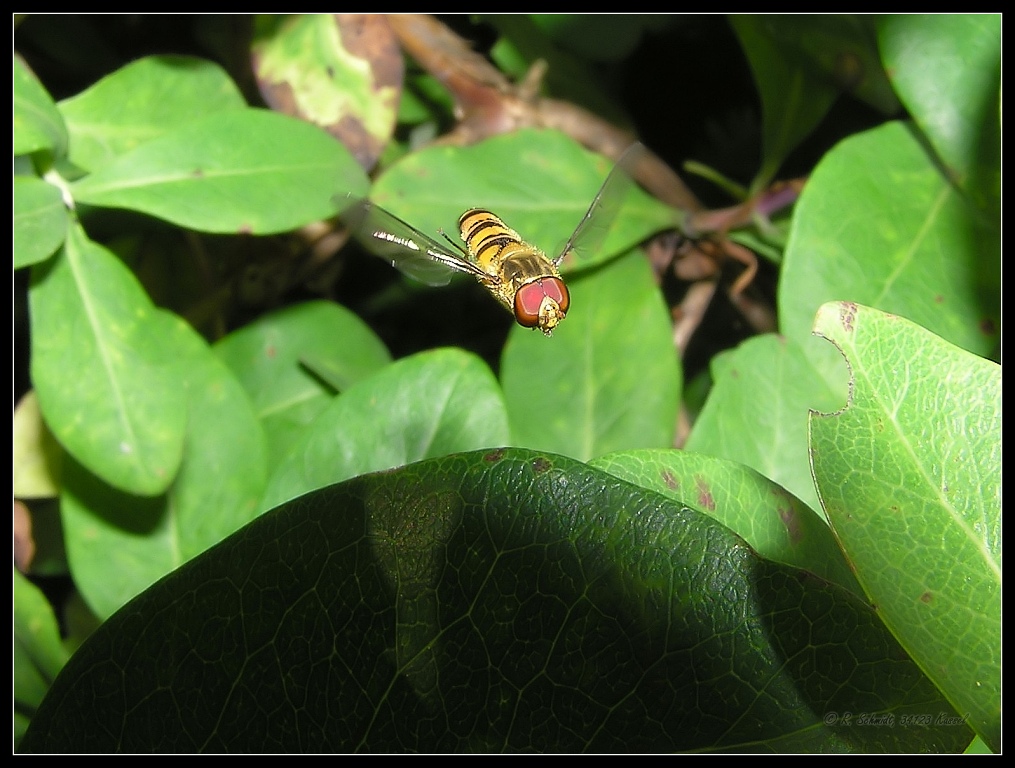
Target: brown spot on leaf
496,455
847,315
541,465
705,499
791,521
670,480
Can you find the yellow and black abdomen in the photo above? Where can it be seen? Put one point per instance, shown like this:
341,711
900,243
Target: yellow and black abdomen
489,240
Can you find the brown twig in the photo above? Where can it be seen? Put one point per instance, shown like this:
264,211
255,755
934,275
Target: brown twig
487,103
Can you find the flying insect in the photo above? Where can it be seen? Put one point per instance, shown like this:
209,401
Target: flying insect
520,276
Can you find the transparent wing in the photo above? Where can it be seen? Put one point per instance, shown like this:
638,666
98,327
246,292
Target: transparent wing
592,229
405,247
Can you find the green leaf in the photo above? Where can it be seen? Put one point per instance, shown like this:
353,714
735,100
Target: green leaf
248,170
141,101
40,220
105,387
910,477
879,224
541,184
38,653
267,357
117,544
491,601
37,122
947,70
779,526
756,412
427,405
795,95
609,378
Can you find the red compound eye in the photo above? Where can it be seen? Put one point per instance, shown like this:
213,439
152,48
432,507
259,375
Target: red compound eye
529,298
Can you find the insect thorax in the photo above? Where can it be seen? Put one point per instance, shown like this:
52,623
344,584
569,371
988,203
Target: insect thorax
525,265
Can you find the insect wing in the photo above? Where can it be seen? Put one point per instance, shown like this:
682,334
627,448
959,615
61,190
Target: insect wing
595,224
405,247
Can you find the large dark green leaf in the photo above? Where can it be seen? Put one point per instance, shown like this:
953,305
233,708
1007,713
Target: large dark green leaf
596,37
490,601
523,41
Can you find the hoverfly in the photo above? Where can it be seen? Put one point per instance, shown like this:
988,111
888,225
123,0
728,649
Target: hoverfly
519,275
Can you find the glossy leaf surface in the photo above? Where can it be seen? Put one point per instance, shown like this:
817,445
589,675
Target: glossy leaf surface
608,379
103,386
141,101
490,601
910,476
282,359
37,122
40,220
756,412
423,406
879,224
947,70
236,171
779,526
117,543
